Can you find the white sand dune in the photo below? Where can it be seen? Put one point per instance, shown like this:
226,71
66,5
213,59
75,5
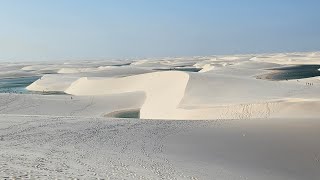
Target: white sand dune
66,105
162,97
76,70
229,91
114,72
227,121
61,81
291,58
206,68
52,83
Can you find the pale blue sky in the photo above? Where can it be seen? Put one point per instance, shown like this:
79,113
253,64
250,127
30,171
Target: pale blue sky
98,29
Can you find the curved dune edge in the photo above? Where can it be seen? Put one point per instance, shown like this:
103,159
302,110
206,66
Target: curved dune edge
207,68
164,91
56,83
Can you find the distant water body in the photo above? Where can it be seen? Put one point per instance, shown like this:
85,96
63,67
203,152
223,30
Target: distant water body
18,85
187,69
292,72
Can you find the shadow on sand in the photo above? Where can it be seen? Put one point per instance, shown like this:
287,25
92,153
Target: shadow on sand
127,113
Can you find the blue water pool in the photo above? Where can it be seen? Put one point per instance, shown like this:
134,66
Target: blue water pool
292,72
16,85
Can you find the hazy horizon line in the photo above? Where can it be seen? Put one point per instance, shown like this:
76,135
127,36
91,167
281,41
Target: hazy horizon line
157,57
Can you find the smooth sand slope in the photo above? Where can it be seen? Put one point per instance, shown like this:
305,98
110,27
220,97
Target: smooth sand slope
227,87
235,117
90,148
162,97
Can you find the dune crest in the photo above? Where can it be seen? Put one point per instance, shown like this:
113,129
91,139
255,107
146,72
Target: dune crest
52,82
195,88
164,91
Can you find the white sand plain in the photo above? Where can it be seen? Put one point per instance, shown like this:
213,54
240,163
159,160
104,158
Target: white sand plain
208,117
